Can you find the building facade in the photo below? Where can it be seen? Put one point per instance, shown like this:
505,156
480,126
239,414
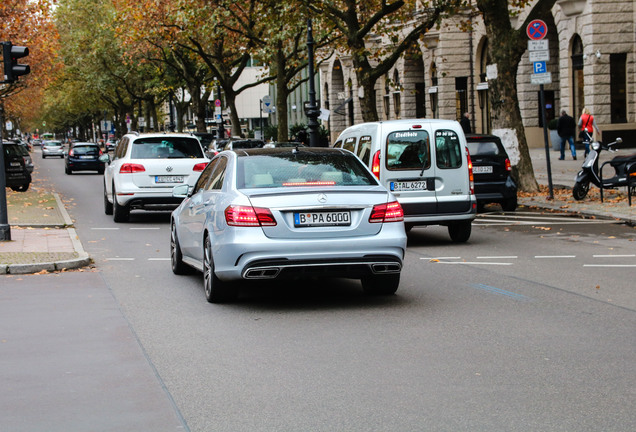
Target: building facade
592,61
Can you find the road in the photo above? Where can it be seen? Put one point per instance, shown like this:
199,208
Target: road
530,326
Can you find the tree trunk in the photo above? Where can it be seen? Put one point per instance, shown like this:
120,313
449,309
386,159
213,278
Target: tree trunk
282,93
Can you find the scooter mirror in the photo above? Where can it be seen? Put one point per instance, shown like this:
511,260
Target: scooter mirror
619,140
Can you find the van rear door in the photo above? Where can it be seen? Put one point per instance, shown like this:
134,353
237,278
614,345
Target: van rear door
452,184
410,170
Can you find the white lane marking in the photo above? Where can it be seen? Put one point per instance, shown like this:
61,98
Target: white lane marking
609,265
486,222
120,259
614,256
439,258
554,256
158,259
105,229
148,228
497,257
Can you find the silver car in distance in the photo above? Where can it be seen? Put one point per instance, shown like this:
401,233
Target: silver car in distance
287,213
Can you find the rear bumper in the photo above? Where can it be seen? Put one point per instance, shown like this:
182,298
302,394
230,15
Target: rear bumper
80,165
495,191
251,255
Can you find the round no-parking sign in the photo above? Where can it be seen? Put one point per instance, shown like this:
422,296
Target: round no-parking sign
537,29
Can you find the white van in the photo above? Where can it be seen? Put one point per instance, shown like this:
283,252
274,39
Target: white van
425,163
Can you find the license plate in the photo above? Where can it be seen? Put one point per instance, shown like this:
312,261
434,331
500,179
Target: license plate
482,169
418,185
87,157
316,219
168,179
14,164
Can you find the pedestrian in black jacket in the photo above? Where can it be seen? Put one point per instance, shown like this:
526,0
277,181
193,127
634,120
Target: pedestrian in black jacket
566,127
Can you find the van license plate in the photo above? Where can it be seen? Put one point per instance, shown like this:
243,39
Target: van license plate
317,219
168,179
482,169
419,185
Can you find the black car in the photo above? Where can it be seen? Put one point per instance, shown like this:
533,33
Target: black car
243,144
492,172
16,172
205,138
84,157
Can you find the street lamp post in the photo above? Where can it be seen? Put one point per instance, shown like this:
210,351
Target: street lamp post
5,228
312,110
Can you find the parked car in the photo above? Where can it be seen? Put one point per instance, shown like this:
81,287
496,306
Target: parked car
425,163
84,157
24,151
274,144
52,148
492,172
17,174
145,167
287,213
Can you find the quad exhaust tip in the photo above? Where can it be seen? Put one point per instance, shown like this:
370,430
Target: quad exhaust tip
262,273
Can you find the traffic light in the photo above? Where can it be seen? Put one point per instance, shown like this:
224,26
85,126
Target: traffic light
10,55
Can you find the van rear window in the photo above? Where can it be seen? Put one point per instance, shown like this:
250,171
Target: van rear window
448,149
408,150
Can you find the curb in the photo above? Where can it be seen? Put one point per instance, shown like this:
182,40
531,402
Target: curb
82,260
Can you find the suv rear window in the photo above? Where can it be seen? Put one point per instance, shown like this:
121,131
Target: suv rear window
85,149
302,169
166,148
483,148
408,150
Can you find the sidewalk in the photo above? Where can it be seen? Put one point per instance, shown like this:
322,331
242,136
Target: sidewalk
43,237
42,234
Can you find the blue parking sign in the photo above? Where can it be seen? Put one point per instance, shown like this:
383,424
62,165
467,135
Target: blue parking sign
539,67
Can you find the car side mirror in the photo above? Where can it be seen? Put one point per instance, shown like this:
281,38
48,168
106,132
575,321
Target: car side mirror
181,191
105,158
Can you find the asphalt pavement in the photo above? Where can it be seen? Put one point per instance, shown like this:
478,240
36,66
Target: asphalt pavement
43,238
67,348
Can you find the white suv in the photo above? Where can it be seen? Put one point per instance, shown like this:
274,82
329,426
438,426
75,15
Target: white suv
145,167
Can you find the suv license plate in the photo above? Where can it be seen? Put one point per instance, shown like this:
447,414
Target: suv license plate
168,179
419,185
317,219
482,169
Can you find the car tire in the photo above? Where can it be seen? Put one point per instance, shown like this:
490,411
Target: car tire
509,205
100,171
216,291
386,284
68,171
21,188
121,213
460,231
108,206
43,157
176,257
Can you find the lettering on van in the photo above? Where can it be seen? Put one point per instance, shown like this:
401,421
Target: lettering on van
406,134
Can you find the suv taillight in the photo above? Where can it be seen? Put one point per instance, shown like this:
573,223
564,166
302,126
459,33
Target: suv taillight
508,166
249,216
131,168
389,212
71,152
200,167
375,165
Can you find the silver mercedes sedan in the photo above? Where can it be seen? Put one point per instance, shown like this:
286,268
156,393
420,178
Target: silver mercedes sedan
287,213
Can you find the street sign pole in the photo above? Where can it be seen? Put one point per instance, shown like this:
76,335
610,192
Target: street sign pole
545,140
5,228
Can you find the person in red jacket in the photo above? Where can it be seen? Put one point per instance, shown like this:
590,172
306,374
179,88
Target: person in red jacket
586,127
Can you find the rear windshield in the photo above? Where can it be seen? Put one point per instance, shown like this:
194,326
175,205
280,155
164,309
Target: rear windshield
53,143
85,150
15,150
302,169
166,148
483,148
408,150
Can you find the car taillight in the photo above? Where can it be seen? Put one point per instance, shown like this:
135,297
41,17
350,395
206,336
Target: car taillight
131,168
71,153
249,216
100,152
389,212
200,167
470,172
508,166
375,165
